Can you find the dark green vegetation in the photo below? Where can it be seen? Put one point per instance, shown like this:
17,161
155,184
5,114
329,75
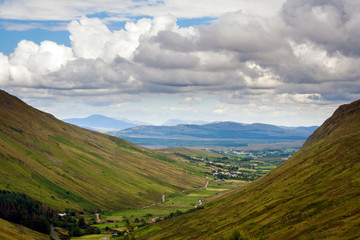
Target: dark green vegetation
223,134
313,195
66,166
12,231
20,209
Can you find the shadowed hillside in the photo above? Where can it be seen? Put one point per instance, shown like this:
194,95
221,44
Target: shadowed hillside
70,167
313,195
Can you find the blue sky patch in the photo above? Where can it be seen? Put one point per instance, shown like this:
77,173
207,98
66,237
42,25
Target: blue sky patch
186,22
8,44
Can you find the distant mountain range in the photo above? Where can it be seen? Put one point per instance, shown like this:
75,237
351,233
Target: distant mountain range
184,133
219,133
221,130
102,123
175,122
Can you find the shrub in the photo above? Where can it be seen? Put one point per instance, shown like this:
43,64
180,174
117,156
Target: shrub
76,232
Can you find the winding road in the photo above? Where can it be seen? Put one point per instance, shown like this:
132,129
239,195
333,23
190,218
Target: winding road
98,217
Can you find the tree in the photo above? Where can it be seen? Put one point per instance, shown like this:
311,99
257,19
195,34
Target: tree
40,224
130,231
76,232
82,223
236,236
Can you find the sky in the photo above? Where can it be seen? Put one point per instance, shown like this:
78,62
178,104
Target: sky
282,62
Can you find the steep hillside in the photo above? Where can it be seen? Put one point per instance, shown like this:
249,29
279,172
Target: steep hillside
313,195
70,167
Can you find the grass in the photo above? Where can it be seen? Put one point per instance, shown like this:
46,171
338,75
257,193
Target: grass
147,230
181,202
109,225
92,237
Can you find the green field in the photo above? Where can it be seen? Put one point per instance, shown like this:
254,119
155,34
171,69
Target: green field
174,204
92,237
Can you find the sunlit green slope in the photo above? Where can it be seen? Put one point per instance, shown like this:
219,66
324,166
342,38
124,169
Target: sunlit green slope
313,195
70,167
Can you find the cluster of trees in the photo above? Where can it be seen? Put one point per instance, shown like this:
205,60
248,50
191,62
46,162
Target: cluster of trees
237,236
75,225
21,209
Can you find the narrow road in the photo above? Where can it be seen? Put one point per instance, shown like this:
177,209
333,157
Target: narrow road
52,233
206,185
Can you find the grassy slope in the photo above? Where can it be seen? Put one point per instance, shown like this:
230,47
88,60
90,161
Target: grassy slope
11,231
314,195
70,167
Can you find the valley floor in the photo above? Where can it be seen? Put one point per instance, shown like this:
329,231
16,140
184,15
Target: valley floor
174,204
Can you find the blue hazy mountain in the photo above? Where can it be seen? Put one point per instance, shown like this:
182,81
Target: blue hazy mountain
217,133
175,122
101,123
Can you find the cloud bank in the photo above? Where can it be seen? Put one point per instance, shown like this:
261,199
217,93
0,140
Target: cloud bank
120,10
309,54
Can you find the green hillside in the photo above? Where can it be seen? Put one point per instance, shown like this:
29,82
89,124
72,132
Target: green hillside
70,167
313,195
